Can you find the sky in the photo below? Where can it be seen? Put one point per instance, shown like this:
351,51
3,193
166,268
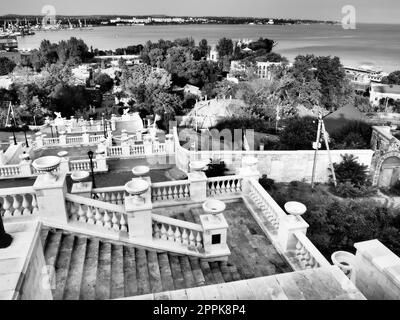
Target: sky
382,11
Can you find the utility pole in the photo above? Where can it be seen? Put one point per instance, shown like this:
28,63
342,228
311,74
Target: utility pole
316,145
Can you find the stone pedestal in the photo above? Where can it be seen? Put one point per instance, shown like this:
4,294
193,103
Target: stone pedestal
215,230
85,138
83,189
148,145
287,227
101,160
113,124
169,144
139,215
64,165
51,198
63,139
25,167
198,186
39,140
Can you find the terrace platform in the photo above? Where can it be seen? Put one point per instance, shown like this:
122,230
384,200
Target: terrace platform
94,268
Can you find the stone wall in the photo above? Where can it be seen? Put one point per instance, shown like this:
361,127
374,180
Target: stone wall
377,271
284,166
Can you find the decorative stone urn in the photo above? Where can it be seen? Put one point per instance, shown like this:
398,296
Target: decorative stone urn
140,171
62,154
136,188
214,207
79,176
24,156
295,209
346,262
197,166
47,165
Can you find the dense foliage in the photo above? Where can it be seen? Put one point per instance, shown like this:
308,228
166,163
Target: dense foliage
299,134
6,66
338,224
354,135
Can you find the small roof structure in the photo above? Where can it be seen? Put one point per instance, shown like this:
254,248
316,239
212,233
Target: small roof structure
341,117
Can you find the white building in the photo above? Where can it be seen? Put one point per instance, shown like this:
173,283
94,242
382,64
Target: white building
264,69
383,91
237,66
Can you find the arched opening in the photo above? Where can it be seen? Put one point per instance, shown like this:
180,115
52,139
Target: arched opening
390,172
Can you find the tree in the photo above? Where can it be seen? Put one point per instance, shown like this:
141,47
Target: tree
392,78
350,170
262,44
299,134
104,81
6,66
166,105
225,47
204,48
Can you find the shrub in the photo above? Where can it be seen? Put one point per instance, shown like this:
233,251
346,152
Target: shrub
267,184
354,135
349,170
245,122
349,190
216,168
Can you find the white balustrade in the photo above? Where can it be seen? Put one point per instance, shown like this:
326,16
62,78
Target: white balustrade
224,185
170,190
16,202
97,213
81,165
137,150
10,170
271,210
74,139
159,148
113,195
307,255
181,233
115,151
95,138
51,141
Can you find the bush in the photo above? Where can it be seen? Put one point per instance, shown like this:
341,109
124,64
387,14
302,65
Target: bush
216,168
244,123
349,170
349,190
267,184
354,135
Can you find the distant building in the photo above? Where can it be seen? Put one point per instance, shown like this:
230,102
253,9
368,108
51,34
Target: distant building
237,66
363,76
8,43
264,69
213,55
383,91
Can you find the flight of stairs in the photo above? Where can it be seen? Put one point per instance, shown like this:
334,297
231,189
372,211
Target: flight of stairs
89,268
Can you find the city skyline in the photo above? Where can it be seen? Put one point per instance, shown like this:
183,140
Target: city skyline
383,12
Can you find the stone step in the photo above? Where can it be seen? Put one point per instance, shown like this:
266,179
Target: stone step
63,264
103,282
208,274
142,272
225,271
196,270
117,272
165,272
216,272
52,248
154,272
75,273
130,278
177,276
187,272
89,276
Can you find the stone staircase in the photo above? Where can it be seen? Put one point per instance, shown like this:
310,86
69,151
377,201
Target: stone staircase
88,268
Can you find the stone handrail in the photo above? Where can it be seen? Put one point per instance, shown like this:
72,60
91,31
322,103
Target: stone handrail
177,231
272,211
114,151
99,213
95,138
18,202
307,254
170,190
159,148
224,185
